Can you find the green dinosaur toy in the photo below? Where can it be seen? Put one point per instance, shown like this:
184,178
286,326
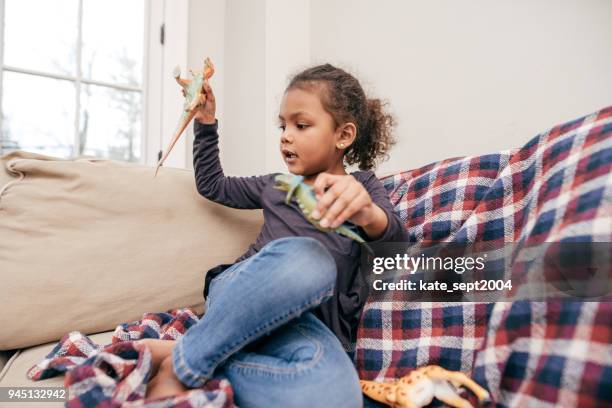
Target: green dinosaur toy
307,201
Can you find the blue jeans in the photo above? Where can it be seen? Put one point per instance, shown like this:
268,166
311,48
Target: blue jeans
257,331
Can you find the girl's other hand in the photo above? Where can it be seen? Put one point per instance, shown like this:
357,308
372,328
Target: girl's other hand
347,199
206,112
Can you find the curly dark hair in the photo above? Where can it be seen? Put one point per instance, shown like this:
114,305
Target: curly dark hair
343,97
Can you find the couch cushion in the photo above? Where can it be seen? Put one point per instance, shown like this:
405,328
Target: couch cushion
14,373
87,244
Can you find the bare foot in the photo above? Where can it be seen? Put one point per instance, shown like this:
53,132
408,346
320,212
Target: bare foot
165,383
160,349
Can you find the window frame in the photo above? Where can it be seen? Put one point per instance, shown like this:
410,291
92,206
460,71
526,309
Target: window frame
157,14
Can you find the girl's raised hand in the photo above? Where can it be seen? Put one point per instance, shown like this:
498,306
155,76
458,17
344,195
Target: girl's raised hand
347,199
206,112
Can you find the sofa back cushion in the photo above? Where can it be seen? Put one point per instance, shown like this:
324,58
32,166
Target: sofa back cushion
87,244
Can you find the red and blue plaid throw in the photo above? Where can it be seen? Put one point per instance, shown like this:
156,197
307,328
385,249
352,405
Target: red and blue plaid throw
556,188
116,375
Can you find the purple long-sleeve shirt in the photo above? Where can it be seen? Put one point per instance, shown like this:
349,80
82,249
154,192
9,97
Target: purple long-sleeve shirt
341,313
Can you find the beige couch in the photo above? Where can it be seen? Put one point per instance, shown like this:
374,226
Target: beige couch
87,244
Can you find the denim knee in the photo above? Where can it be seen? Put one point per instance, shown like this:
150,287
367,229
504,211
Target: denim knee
301,365
309,262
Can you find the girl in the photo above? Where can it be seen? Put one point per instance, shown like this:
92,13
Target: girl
281,321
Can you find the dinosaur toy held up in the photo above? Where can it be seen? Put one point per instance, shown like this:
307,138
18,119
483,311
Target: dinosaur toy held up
194,97
307,201
419,388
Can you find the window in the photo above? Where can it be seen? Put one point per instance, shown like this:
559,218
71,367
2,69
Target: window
72,75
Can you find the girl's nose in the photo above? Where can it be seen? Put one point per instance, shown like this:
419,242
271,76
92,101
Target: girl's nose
286,137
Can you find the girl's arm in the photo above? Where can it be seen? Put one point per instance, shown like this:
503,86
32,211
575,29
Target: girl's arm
380,221
212,183
394,230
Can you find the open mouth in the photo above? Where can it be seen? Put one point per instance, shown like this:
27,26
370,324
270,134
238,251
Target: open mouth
289,155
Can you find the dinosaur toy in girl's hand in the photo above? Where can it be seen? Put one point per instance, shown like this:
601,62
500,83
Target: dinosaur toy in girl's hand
419,388
307,201
194,97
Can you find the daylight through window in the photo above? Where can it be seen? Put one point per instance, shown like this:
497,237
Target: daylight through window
72,77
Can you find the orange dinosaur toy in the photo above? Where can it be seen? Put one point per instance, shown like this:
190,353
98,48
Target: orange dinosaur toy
194,97
419,388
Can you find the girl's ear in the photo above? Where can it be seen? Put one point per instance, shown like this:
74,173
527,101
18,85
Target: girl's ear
346,135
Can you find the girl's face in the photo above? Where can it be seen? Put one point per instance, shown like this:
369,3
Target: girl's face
309,136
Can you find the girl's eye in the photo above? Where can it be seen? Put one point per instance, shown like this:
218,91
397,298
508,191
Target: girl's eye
302,126
281,127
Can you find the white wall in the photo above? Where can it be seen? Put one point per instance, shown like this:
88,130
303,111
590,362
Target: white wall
472,76
244,87
287,49
462,77
207,39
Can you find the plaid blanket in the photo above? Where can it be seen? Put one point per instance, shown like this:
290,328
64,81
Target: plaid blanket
115,375
555,188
